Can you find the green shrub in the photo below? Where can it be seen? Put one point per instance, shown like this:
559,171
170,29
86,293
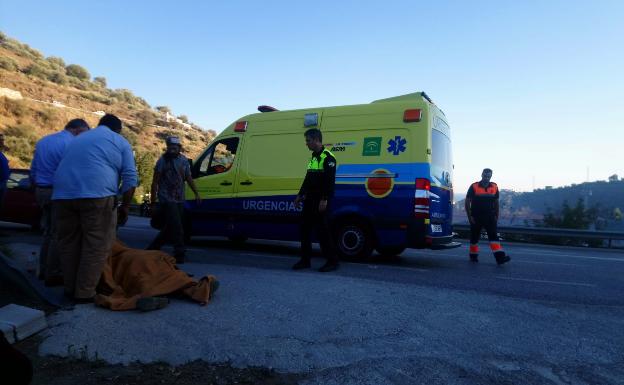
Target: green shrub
56,61
19,147
77,83
97,97
77,71
142,102
100,81
163,109
145,162
46,116
20,141
3,37
8,64
37,71
57,77
33,53
146,116
11,107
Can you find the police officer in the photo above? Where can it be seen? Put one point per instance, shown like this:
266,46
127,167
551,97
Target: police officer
482,210
316,192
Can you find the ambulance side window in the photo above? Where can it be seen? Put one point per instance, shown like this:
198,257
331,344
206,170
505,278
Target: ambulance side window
219,158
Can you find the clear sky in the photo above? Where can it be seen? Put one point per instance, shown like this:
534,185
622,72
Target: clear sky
532,89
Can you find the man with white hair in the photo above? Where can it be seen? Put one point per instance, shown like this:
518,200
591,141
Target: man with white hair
171,171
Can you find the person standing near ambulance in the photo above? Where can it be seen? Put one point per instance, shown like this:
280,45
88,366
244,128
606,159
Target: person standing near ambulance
172,170
316,193
482,209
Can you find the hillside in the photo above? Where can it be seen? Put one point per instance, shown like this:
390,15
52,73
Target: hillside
525,208
38,95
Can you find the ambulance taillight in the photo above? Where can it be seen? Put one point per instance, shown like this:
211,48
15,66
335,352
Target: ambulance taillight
421,198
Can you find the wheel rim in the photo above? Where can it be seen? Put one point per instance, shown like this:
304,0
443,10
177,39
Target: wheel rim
352,240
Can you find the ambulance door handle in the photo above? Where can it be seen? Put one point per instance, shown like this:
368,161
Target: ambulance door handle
246,183
226,183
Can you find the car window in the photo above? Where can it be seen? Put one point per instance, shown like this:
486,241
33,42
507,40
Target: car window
19,179
219,158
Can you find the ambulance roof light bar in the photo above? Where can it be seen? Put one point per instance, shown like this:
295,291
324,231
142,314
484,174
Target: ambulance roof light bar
265,108
424,95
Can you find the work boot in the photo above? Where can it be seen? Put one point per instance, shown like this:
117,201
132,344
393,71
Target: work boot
503,259
329,266
302,264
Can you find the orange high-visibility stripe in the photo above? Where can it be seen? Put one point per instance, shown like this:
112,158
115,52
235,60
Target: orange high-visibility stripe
495,246
474,249
490,190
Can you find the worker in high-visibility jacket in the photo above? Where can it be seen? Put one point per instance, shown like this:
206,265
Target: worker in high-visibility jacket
316,193
482,209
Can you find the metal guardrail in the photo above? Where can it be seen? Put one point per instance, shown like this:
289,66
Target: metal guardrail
135,209
553,232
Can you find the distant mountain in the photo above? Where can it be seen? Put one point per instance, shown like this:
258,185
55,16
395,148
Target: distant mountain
38,95
526,207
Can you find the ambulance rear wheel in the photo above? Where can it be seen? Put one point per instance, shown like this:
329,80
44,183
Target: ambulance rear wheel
390,251
354,241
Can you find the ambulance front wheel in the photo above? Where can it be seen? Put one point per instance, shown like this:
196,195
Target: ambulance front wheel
354,241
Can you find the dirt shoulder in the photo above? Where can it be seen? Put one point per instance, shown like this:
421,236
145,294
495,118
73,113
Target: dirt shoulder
56,370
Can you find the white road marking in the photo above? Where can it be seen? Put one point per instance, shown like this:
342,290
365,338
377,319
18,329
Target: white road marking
546,281
538,253
548,263
262,255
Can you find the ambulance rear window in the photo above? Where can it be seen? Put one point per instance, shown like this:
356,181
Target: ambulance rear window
441,158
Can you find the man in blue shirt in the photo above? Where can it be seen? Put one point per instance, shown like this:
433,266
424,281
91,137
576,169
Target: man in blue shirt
86,185
5,171
49,151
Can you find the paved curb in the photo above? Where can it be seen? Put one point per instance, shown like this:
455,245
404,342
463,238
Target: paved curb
21,322
12,273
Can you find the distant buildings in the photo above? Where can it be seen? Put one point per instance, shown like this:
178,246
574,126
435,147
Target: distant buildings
171,118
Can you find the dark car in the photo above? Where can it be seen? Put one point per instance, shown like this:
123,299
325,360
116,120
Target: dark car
20,205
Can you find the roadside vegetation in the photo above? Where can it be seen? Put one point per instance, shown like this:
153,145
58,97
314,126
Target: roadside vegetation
54,92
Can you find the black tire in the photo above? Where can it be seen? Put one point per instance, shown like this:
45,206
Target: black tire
390,251
353,240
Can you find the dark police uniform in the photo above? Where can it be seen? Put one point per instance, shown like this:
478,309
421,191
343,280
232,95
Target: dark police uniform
483,210
318,185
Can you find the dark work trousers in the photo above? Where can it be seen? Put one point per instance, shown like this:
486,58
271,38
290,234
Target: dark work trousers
173,230
489,223
313,220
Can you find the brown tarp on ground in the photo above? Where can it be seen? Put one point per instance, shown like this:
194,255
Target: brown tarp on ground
131,274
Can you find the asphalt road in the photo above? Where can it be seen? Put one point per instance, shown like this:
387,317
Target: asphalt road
537,272
554,315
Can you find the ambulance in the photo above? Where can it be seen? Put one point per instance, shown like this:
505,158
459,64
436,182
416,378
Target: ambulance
394,176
